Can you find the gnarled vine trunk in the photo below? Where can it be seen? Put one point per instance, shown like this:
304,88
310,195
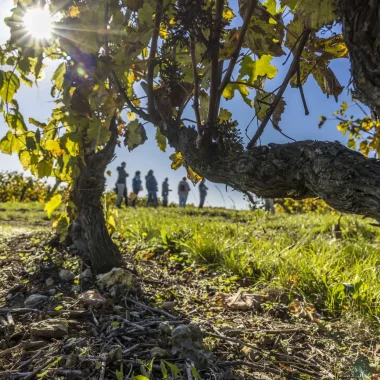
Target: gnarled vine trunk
89,231
361,30
345,179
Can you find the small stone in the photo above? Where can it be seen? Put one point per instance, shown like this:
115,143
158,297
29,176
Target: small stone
49,328
115,353
168,305
159,353
114,277
92,298
86,275
187,343
49,281
35,300
66,275
52,292
17,300
3,344
71,361
75,288
9,297
165,328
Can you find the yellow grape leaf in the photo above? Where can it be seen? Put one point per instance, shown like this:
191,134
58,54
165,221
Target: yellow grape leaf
131,116
364,148
136,102
61,225
163,31
253,69
161,140
192,175
271,7
130,80
229,92
224,115
177,160
74,11
24,157
228,14
12,143
351,143
111,224
330,48
53,204
52,146
70,142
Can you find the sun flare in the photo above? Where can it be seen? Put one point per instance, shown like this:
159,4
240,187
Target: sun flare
38,23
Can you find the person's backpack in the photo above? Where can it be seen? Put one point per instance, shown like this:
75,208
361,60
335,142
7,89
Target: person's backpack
182,187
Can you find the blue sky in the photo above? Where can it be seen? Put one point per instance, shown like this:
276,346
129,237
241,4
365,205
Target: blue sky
36,102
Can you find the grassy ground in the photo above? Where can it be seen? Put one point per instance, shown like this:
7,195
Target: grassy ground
323,285
298,253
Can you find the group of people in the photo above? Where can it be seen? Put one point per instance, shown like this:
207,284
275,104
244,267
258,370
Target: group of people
151,186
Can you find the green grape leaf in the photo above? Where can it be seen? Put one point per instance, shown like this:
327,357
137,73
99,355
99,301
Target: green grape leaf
44,169
328,82
146,14
31,143
224,115
135,135
25,80
280,109
262,102
52,205
97,132
265,32
36,123
290,3
203,105
164,370
161,140
16,121
59,76
316,14
9,84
